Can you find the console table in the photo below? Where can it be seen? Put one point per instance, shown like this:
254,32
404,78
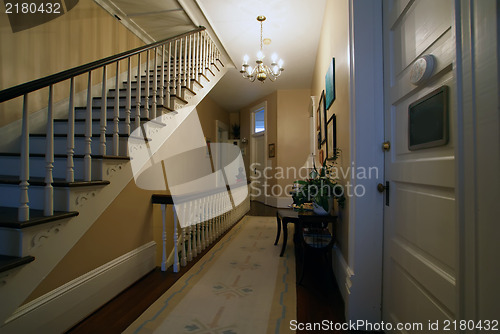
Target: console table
283,217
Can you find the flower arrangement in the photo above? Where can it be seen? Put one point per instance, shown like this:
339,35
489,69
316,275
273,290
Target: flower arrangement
319,189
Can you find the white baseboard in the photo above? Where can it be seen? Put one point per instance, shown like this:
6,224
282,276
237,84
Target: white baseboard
62,308
342,273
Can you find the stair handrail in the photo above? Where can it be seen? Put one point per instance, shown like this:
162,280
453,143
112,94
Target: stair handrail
31,86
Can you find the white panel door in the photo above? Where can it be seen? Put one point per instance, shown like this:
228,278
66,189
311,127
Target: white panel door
419,222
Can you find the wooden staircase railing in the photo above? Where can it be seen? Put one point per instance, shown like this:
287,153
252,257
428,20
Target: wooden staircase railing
207,216
170,68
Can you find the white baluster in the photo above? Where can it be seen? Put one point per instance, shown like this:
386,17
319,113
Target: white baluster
191,61
23,211
183,249
197,57
49,157
138,94
104,105
128,108
176,245
198,227
179,74
162,77
155,83
169,76
194,228
146,90
164,238
70,146
203,222
189,233
87,159
174,77
116,116
184,66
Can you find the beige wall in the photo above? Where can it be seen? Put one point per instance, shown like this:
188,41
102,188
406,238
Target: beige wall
124,226
334,42
84,34
293,137
128,223
288,129
209,112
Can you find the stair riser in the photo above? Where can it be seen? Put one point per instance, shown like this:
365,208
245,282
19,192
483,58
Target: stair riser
62,127
10,194
97,101
81,114
37,145
11,167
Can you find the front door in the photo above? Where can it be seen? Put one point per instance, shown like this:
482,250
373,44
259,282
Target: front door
419,280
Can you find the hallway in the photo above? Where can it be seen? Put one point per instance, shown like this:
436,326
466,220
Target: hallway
317,298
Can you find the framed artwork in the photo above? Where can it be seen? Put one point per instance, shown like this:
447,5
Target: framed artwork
330,85
331,143
272,150
321,117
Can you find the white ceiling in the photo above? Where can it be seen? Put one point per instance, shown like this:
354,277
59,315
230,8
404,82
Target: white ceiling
292,25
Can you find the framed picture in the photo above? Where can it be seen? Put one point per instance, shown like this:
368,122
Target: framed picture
321,117
331,143
330,85
272,150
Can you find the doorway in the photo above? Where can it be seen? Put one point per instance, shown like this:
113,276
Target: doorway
258,144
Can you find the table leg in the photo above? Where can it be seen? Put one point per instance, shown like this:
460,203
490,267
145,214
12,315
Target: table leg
284,224
278,222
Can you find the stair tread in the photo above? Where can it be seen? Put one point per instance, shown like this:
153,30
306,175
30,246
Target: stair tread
11,262
76,156
112,107
79,135
109,119
8,217
57,182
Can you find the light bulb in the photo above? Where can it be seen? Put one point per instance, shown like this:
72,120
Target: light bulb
275,70
260,55
274,58
245,59
249,70
280,63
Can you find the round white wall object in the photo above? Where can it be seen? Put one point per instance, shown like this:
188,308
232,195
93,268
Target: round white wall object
422,69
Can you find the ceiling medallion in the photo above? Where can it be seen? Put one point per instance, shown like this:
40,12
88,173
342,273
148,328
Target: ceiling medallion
261,71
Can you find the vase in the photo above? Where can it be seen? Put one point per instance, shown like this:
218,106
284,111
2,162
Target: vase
318,209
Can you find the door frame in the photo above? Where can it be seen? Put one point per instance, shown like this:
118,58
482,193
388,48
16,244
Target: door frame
359,276
253,135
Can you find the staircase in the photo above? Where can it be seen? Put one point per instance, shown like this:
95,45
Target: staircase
60,180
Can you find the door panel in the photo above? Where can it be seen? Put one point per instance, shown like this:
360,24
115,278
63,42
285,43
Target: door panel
419,225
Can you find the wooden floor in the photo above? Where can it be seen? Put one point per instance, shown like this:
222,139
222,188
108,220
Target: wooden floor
318,297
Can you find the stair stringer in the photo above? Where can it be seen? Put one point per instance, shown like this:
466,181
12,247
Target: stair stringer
58,240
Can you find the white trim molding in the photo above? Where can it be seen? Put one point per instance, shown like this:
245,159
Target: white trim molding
61,308
365,137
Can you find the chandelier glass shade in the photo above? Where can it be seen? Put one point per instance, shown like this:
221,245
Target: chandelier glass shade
261,71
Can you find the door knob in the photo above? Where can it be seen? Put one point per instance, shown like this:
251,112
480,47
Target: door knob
380,188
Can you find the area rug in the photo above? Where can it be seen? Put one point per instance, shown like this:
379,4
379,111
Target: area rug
240,286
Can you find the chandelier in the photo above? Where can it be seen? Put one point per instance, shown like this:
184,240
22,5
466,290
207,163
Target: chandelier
261,72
